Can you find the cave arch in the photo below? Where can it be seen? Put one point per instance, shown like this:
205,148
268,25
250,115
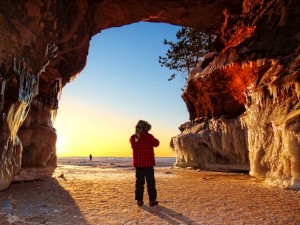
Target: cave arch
47,44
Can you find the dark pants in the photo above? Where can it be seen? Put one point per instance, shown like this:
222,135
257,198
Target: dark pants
141,174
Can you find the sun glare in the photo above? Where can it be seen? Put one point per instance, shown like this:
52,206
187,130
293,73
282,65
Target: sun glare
59,145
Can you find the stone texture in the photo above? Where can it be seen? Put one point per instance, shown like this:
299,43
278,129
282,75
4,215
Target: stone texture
255,79
44,44
38,146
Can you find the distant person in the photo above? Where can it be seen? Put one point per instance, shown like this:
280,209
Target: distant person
91,157
143,160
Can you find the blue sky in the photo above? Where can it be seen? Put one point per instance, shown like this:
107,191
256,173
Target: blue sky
121,83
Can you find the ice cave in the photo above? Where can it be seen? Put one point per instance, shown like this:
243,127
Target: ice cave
244,102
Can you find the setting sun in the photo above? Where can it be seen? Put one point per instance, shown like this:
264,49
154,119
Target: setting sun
60,145
98,111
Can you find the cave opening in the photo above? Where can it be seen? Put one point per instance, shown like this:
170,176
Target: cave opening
121,83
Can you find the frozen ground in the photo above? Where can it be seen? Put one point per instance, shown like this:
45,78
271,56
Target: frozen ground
102,192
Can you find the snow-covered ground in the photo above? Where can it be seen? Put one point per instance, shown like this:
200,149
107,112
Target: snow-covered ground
102,192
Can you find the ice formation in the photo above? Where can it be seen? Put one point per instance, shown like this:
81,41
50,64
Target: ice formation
266,136
273,124
212,144
2,85
10,162
24,113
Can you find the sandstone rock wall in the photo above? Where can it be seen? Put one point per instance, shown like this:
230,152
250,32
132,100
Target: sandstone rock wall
255,79
38,138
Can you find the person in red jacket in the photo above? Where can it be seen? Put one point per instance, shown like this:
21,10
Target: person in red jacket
143,160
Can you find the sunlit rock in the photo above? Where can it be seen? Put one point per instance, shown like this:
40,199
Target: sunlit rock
255,79
11,146
273,121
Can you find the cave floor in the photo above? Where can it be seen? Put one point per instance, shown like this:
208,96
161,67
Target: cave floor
105,195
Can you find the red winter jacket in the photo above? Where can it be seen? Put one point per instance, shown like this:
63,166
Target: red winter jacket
143,152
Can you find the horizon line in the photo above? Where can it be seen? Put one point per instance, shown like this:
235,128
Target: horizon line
111,156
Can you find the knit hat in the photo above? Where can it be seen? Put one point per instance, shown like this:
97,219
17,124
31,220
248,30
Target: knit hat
140,127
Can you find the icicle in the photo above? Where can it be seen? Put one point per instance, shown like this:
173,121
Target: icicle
274,91
43,69
15,65
2,94
53,116
261,97
21,86
35,86
258,62
28,85
3,87
287,86
60,88
297,89
243,65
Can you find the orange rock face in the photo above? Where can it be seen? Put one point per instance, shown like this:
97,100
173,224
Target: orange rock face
253,82
219,93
